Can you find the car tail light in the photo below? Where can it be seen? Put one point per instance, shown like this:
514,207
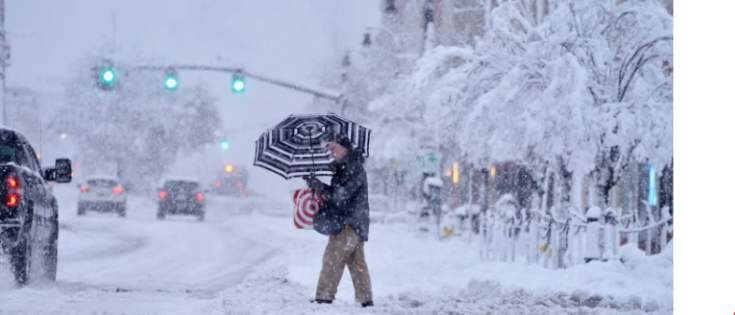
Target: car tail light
239,184
217,184
162,195
12,200
13,197
200,197
117,190
83,188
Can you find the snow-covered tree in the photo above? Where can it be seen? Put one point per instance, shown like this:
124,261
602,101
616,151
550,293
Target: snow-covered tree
136,129
559,90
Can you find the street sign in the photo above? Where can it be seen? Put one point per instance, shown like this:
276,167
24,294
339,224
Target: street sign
428,162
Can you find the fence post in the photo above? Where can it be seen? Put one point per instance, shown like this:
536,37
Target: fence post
609,249
593,250
533,239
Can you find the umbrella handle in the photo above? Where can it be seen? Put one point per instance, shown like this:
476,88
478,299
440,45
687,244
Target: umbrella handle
313,165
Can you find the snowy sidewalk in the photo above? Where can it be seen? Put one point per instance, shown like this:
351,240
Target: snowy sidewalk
413,273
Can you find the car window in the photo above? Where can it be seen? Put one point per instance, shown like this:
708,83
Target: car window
106,183
7,154
33,159
11,149
181,185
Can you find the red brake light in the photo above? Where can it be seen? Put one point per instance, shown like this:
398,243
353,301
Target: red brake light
84,188
117,190
200,197
239,184
12,200
217,184
162,195
12,182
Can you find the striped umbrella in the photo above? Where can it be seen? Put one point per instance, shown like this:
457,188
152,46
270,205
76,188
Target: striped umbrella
298,146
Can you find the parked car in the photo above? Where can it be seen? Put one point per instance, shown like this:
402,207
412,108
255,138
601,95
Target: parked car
29,214
102,193
181,196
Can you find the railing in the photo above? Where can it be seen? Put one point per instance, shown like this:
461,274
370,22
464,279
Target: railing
554,242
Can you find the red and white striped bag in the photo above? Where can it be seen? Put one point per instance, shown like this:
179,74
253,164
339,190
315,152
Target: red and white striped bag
306,204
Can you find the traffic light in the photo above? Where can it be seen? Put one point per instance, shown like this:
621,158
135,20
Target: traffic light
224,145
105,76
108,76
238,82
172,81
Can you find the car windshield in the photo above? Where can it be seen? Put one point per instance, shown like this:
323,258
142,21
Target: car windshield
181,185
7,154
107,183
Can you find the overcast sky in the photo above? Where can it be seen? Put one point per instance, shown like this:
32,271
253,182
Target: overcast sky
285,39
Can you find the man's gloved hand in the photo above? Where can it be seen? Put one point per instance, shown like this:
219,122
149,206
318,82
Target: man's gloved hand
314,183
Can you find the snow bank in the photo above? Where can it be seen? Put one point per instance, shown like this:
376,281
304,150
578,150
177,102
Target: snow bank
274,293
414,273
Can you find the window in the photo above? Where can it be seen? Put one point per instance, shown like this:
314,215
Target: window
105,183
181,185
33,159
11,149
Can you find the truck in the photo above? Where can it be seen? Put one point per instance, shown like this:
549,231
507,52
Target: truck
29,213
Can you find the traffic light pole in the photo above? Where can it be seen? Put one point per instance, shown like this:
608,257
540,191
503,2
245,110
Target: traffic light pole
295,87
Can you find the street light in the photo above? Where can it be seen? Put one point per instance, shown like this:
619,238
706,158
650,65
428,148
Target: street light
63,136
455,177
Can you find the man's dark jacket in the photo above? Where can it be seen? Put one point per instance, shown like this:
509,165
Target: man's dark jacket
347,196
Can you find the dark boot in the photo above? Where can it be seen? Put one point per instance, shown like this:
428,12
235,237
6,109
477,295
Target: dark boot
318,301
368,303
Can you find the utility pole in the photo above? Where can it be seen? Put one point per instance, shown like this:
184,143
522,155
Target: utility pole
3,60
343,80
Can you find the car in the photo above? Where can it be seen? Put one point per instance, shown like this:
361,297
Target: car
102,193
29,213
231,181
181,196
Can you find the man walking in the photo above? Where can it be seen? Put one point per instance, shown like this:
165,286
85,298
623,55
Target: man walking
347,196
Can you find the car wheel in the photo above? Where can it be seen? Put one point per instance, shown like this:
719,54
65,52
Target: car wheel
161,214
51,257
20,260
121,210
81,209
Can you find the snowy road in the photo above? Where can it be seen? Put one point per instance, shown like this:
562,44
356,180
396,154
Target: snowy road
246,258
140,257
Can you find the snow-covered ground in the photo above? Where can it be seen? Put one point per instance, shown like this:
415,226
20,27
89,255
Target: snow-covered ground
247,258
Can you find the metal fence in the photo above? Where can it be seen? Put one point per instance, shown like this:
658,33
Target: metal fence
530,236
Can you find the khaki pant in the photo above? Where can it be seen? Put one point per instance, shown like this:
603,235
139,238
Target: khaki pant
345,248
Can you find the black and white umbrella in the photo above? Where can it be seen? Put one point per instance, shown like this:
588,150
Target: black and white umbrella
298,146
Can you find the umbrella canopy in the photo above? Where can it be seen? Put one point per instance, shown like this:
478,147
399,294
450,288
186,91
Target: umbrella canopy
298,146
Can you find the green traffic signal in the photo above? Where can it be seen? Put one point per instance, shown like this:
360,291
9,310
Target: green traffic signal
224,145
108,76
238,82
238,86
171,83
